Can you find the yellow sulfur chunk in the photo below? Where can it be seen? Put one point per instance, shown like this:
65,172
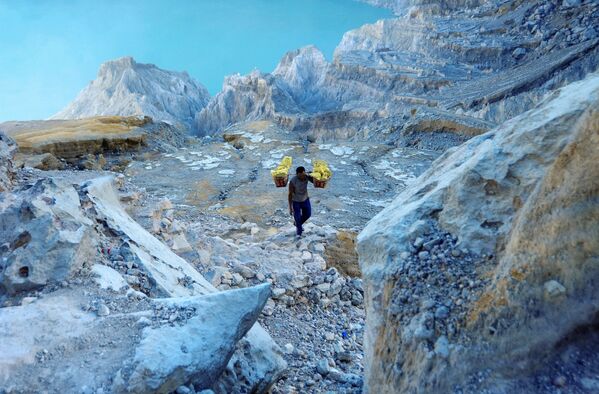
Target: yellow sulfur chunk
321,171
283,168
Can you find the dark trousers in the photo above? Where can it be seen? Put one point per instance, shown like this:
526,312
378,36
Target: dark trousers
301,212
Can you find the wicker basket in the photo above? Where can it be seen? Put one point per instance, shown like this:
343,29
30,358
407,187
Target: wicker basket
321,184
281,181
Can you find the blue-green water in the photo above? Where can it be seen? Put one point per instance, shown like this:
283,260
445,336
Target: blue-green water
51,49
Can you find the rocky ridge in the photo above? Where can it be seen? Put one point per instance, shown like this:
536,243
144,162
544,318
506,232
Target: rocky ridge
124,87
519,202
455,67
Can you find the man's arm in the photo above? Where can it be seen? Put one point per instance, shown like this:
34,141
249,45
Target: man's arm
290,198
311,178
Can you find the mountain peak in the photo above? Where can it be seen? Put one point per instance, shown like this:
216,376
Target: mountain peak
125,87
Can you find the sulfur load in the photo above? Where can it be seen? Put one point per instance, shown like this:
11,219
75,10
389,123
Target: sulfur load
283,168
321,171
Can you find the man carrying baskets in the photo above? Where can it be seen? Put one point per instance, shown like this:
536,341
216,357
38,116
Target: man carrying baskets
299,202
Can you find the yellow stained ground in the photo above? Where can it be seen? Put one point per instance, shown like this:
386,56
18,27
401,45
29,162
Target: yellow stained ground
73,130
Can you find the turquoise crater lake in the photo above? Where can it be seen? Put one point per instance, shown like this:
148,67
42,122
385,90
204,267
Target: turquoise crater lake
51,49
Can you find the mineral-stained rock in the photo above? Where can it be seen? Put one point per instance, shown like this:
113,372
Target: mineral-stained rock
45,237
70,139
127,88
526,193
341,254
44,161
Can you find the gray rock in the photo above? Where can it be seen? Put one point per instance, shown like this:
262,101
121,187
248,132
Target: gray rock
125,87
220,321
553,289
322,367
441,313
183,390
344,356
49,238
590,384
442,347
7,174
353,379
103,310
519,53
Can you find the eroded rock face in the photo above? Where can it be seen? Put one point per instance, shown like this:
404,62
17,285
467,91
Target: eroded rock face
452,66
520,201
45,237
294,87
7,150
127,88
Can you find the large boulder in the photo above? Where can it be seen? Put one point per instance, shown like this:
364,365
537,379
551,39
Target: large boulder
44,237
498,238
198,351
152,347
260,357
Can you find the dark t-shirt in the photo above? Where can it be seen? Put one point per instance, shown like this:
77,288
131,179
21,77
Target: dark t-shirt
300,189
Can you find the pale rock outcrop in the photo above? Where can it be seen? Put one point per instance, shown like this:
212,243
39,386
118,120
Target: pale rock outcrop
7,150
204,343
162,265
45,237
127,88
294,87
70,139
163,345
303,71
44,162
526,193
259,355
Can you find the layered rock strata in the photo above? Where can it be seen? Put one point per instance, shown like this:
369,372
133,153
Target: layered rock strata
456,66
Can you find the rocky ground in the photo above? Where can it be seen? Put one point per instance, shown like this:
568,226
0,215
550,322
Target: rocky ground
213,202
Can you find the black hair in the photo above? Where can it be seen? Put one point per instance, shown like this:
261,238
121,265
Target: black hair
299,170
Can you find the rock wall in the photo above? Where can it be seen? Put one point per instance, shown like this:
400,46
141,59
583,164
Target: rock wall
127,88
500,236
469,63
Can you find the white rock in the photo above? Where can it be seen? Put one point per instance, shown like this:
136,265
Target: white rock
288,348
108,278
124,87
205,342
553,289
442,347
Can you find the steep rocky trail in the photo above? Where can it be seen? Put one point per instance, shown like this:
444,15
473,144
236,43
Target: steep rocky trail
213,202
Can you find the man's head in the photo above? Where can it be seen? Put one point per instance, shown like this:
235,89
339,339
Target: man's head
301,173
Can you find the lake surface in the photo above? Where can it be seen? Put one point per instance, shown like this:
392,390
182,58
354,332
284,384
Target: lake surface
51,49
